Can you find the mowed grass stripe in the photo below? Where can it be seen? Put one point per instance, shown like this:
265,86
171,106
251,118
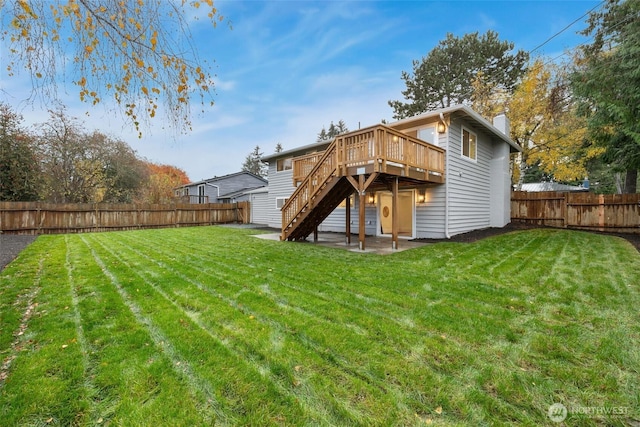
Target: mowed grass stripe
317,305
46,383
206,311
226,266
335,324
251,327
25,303
236,381
90,390
135,383
179,364
358,315
376,368
382,367
18,280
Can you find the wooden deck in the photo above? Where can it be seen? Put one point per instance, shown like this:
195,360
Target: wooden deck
370,158
378,149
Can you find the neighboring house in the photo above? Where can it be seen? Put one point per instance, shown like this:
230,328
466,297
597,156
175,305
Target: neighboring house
221,189
434,175
551,186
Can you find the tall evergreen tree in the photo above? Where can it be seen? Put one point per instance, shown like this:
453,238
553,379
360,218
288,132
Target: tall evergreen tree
334,130
447,74
253,163
608,82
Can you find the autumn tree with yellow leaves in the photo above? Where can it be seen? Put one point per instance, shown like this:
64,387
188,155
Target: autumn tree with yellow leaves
544,122
137,53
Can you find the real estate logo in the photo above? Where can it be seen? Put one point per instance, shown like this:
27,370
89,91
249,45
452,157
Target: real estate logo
557,412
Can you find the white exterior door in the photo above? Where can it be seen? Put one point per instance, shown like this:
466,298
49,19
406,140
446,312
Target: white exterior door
406,213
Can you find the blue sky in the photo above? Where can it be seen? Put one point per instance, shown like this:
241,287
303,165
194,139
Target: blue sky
285,69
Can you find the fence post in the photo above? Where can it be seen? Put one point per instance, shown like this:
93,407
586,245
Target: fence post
38,219
601,212
565,207
95,218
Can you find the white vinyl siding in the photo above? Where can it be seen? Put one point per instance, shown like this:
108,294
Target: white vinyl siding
469,183
280,185
430,214
259,207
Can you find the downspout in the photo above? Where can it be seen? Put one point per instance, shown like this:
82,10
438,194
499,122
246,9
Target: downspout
217,188
446,183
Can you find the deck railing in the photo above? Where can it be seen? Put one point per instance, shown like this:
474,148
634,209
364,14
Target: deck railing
379,145
303,165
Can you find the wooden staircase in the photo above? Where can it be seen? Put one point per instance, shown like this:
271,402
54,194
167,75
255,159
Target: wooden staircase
315,198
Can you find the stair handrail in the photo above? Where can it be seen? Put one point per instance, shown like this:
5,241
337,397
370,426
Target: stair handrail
307,189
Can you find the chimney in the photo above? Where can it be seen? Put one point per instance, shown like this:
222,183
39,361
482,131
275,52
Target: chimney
501,122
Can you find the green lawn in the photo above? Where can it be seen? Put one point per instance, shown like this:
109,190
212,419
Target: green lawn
203,326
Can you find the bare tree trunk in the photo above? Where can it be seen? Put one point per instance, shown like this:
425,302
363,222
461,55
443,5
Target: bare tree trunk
619,183
630,181
522,165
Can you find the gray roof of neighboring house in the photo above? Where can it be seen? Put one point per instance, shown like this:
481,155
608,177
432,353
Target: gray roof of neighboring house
550,186
219,178
240,192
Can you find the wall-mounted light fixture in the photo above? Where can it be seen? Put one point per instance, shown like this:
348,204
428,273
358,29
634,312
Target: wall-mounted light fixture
371,198
442,125
422,197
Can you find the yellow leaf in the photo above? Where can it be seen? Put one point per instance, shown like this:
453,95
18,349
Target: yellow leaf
439,410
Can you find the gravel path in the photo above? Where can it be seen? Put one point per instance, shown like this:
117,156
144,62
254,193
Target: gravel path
11,245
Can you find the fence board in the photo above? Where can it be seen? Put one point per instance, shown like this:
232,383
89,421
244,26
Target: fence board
50,218
609,212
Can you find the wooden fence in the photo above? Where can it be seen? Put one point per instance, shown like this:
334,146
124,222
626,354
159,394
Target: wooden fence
50,218
618,213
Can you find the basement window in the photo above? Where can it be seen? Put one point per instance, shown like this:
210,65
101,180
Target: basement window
280,201
469,144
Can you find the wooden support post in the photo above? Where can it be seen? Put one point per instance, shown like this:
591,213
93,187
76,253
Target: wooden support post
361,216
394,214
348,220
315,234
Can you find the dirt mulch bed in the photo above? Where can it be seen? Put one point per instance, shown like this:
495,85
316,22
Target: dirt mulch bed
11,245
476,235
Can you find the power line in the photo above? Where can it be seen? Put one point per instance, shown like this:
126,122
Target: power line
567,27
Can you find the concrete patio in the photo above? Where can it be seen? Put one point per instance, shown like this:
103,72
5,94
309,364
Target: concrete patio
373,244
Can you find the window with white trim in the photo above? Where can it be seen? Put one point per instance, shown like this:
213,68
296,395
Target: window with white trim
469,144
284,164
202,198
280,201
